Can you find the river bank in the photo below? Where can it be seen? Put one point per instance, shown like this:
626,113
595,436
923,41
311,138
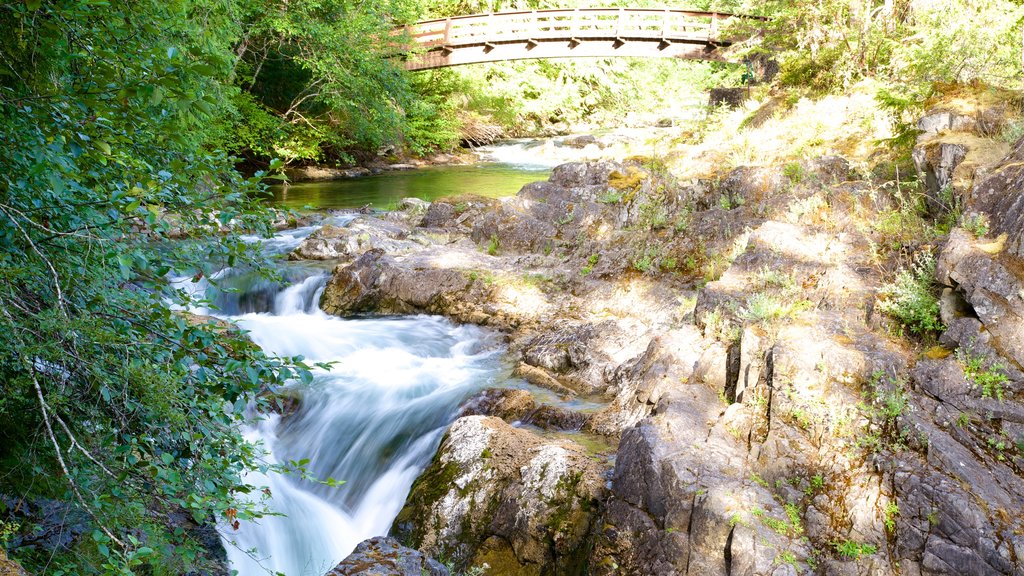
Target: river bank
768,417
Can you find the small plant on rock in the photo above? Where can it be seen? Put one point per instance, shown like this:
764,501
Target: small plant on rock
854,550
976,224
988,377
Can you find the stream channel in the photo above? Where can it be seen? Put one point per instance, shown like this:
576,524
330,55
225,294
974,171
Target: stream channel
377,417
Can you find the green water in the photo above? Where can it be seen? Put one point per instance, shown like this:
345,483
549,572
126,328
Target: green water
385,190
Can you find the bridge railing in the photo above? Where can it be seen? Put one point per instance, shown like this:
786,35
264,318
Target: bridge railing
590,23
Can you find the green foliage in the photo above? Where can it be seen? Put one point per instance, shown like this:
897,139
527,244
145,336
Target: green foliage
886,401
892,510
767,308
976,224
829,45
794,171
322,68
113,401
591,262
854,550
911,297
989,377
492,245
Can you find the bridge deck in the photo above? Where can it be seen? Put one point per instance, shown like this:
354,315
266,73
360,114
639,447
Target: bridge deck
565,33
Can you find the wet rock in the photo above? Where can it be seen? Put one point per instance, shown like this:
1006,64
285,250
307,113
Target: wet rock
540,377
494,492
384,556
582,141
334,242
374,282
519,406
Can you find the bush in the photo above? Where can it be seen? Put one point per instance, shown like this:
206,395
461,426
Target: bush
911,297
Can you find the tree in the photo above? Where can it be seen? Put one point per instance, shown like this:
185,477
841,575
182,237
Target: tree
111,399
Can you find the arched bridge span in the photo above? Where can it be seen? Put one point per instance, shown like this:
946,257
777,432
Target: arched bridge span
579,32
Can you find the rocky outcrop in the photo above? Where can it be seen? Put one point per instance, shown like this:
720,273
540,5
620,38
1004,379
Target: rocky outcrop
999,197
383,556
769,421
504,497
991,283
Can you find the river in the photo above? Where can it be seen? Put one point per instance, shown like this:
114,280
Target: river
505,170
374,420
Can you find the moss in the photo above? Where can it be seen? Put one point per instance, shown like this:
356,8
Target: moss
629,182
429,488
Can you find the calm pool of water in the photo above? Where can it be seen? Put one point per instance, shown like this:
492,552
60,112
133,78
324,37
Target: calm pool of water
385,190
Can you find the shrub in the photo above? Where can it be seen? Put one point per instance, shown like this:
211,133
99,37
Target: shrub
911,297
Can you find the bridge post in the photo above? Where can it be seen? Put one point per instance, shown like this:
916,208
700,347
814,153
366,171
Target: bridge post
447,31
664,29
713,30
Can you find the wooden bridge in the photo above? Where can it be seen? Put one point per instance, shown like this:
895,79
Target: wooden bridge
580,32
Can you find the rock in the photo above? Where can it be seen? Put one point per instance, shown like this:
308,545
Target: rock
728,97
320,173
453,211
384,556
9,567
938,120
514,406
375,283
413,205
949,162
641,383
1000,196
364,233
582,141
505,496
993,285
681,498
752,184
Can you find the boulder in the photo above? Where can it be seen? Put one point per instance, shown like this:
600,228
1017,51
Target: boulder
384,556
364,233
375,282
505,497
640,383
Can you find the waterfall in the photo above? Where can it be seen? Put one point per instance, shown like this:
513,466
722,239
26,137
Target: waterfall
374,420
